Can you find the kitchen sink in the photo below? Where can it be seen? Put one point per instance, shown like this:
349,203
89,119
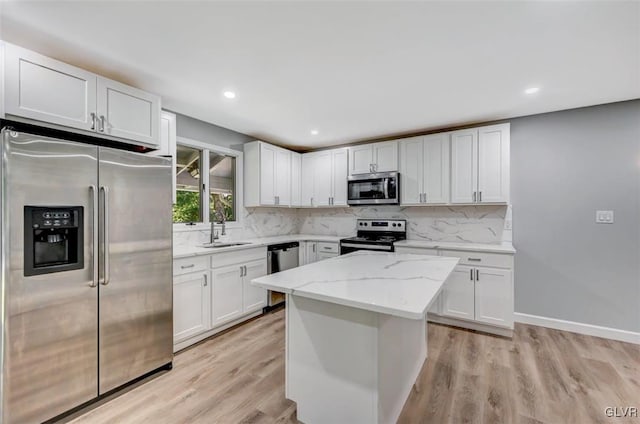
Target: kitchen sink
219,244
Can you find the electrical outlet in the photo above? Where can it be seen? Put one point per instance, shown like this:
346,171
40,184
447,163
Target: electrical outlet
604,217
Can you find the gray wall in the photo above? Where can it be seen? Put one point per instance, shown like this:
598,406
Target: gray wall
565,166
208,133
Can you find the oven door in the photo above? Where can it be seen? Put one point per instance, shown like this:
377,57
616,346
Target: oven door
373,189
348,247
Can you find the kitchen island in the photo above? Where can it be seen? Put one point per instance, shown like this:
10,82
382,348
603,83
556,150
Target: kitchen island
356,332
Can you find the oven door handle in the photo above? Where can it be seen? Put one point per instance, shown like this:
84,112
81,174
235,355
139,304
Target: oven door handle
367,246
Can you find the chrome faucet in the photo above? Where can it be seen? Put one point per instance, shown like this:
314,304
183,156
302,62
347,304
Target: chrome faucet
214,234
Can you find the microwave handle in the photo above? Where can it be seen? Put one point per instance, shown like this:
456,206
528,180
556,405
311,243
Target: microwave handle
387,183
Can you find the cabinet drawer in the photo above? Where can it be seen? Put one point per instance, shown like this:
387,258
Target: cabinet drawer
188,265
328,247
481,259
417,250
241,256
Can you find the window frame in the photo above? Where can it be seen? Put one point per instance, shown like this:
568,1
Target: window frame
206,148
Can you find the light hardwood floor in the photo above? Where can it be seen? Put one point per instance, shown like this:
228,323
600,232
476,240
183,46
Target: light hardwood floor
540,376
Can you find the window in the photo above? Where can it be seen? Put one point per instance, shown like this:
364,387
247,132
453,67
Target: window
222,184
188,204
192,163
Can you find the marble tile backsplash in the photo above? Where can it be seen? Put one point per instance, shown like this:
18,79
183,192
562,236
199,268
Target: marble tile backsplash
472,224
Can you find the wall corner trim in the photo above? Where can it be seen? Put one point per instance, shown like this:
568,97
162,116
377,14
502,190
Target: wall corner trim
578,327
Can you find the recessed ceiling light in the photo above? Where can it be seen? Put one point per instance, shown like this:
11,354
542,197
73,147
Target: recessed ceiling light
229,94
532,90
314,132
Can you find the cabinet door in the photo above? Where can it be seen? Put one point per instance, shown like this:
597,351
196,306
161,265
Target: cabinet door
283,177
436,168
254,298
494,297
339,177
311,252
360,159
226,294
267,174
322,181
191,302
458,293
306,185
41,88
296,178
411,169
493,164
385,156
464,166
127,112
326,255
168,143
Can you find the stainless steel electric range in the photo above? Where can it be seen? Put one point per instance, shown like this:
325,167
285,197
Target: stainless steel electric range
375,234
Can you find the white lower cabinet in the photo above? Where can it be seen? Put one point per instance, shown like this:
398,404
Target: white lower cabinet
226,294
191,305
478,294
458,295
254,298
212,293
314,251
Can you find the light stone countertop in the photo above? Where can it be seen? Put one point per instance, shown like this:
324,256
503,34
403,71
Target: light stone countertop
472,247
188,251
397,284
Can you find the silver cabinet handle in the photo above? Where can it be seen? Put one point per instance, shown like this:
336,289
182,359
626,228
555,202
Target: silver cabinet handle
205,280
327,248
187,266
471,274
479,196
102,123
477,274
245,270
94,242
242,271
314,247
311,201
474,196
474,259
93,121
105,239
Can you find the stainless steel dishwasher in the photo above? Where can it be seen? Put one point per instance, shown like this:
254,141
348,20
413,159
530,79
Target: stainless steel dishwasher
281,257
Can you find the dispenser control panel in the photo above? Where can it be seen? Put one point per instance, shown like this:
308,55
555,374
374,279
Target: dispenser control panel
54,218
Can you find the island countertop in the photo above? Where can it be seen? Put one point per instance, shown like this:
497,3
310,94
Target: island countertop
397,284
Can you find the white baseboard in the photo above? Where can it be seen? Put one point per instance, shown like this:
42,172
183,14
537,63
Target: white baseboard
578,327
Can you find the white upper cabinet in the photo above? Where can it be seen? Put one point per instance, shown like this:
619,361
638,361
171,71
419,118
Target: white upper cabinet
296,179
493,163
324,178
127,112
339,178
464,166
43,89
480,165
306,184
168,142
424,170
374,157
267,175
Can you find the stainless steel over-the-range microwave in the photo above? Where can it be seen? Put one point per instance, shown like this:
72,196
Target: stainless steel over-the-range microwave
382,188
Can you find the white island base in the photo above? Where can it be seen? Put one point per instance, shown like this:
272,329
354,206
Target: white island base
350,365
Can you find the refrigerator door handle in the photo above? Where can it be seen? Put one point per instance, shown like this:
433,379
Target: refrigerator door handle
105,239
94,243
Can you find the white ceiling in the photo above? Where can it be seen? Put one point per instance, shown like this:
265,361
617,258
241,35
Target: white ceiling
352,70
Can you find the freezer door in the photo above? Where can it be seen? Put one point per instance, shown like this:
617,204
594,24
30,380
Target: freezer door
49,320
136,305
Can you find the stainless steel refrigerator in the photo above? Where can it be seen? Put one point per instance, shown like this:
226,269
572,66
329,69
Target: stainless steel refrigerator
86,248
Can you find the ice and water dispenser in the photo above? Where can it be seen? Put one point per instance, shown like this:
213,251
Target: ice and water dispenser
53,239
